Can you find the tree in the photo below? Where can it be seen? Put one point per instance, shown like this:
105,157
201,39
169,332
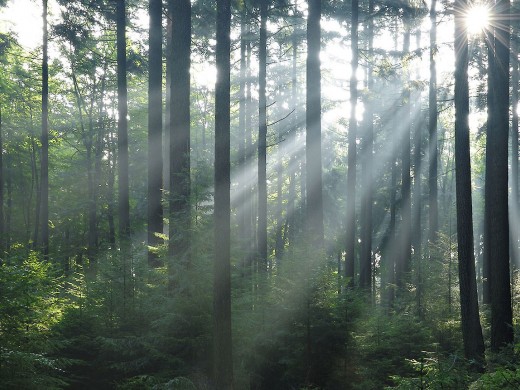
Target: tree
155,211
223,361
471,329
403,264
365,272
496,190
433,211
122,123
314,201
180,184
262,138
352,139
515,190
2,177
44,198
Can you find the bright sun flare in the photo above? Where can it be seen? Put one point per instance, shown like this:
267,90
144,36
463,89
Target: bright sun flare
477,19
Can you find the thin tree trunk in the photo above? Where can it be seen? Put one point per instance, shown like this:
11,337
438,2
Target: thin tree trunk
242,147
2,178
35,183
223,361
44,171
110,191
180,184
262,138
403,266
155,168
291,207
279,243
417,185
92,185
350,255
515,193
314,201
248,207
365,260
167,106
122,123
433,211
471,329
9,205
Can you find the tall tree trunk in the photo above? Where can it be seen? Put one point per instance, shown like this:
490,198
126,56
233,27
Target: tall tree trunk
279,243
471,329
110,190
262,138
433,210
417,183
403,266
365,259
515,192
496,202
350,255
44,171
155,168
314,201
122,123
2,230
35,182
486,263
180,184
291,206
9,204
92,185
242,146
223,360
167,106
248,146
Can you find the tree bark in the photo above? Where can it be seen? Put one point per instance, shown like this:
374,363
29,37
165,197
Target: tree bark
180,184
155,168
314,201
44,171
433,211
403,266
496,202
293,162
365,260
122,123
515,193
471,329
2,229
223,361
262,138
350,255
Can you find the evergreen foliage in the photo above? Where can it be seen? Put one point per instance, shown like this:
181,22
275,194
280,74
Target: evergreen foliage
94,313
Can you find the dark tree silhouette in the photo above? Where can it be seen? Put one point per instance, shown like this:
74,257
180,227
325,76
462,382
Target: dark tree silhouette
496,222
122,122
223,361
262,138
433,204
471,329
180,183
352,158
314,201
44,184
155,169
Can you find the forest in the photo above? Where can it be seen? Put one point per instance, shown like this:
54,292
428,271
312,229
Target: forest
259,194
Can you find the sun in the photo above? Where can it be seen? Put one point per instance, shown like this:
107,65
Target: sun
477,19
